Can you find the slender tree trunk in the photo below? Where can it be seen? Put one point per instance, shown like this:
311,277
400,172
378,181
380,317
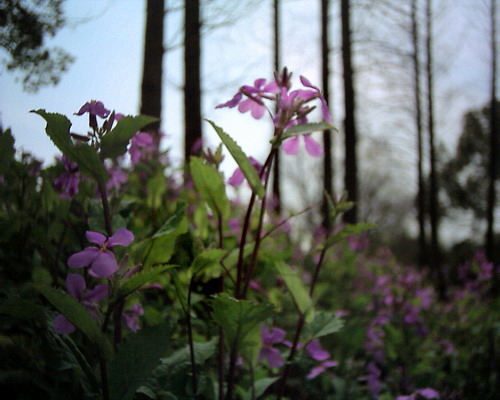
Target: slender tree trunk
327,135
192,84
435,254
276,170
151,88
351,173
422,244
493,160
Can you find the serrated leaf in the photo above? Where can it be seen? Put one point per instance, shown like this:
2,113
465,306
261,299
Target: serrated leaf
207,259
20,308
324,324
297,289
7,150
209,183
238,318
140,279
306,128
173,222
86,157
135,360
348,230
242,160
78,315
114,143
202,352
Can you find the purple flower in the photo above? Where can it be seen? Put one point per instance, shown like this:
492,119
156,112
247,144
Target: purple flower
94,108
75,284
291,146
116,178
427,393
67,183
269,353
238,177
101,260
317,353
140,144
132,316
325,111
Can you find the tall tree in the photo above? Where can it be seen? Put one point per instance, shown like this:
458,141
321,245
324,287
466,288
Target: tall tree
435,253
415,57
152,72
327,134
24,25
493,139
277,67
192,79
351,165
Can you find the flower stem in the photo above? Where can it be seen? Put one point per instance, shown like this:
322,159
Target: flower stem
108,222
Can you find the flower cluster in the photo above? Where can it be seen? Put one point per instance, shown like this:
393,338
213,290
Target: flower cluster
292,107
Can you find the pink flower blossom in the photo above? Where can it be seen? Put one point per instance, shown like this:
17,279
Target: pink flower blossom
94,108
132,316
101,260
269,353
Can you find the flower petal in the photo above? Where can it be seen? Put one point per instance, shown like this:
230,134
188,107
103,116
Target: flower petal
83,258
95,237
428,393
62,325
315,372
75,284
233,102
104,265
97,294
237,178
313,148
291,146
121,237
316,351
273,357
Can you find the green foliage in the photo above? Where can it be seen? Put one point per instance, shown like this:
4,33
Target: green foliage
306,128
242,160
135,360
297,289
239,318
115,142
85,156
324,323
76,313
348,230
210,185
140,279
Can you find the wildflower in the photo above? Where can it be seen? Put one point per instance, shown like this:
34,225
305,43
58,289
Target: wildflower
132,316
291,146
238,177
101,260
68,181
267,351
427,393
75,285
116,178
317,353
140,144
94,108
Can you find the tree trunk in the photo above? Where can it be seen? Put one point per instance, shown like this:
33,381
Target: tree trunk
276,170
192,85
422,243
327,135
493,159
435,254
151,88
350,177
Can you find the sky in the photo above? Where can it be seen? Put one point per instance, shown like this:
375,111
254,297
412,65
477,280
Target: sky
106,38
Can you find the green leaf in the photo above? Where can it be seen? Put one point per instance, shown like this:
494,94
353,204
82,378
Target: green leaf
350,229
297,289
324,324
207,259
78,315
210,185
238,318
114,143
242,160
173,222
20,308
140,279
135,360
156,188
306,128
202,352
7,150
85,156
